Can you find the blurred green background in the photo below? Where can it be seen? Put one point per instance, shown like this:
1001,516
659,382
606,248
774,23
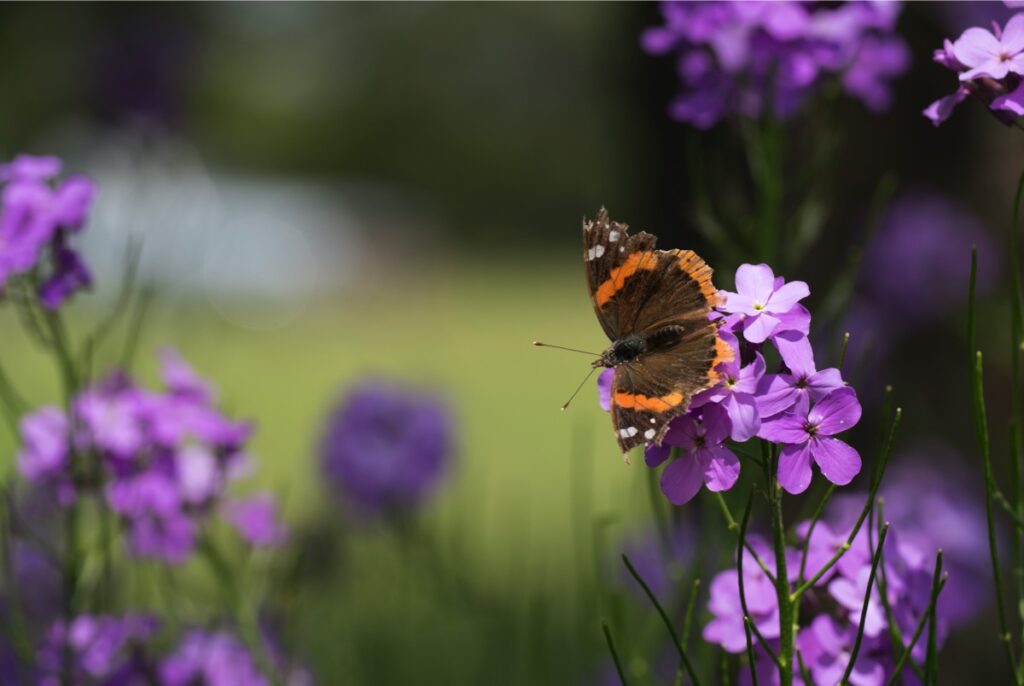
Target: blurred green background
328,191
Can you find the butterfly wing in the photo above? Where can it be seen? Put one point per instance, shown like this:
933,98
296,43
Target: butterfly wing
665,297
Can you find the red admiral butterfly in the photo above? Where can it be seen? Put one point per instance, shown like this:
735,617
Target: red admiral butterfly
654,306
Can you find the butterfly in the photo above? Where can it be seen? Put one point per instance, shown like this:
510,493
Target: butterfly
654,306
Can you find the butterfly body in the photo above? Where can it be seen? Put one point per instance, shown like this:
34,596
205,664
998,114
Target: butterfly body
654,306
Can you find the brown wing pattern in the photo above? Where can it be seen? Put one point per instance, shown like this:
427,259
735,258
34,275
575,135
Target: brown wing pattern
639,290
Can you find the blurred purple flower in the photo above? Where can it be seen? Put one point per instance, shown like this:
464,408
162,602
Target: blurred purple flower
746,58
989,66
386,448
762,300
659,562
256,520
104,649
726,627
45,437
807,436
703,460
210,659
923,245
36,219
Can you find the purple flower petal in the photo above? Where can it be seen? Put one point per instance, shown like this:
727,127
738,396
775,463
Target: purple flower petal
746,421
795,468
755,281
975,46
723,469
838,461
789,429
786,297
797,353
940,110
837,412
654,455
604,389
682,479
1012,102
824,382
758,328
776,393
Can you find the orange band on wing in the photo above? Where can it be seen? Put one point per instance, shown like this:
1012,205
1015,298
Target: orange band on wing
634,263
642,402
699,271
723,353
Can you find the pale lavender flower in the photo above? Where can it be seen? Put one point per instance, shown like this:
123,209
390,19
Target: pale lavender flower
810,436
210,659
735,391
103,649
45,437
726,627
762,300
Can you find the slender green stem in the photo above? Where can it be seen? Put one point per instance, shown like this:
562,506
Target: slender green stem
938,582
981,435
731,523
664,617
895,635
931,661
1008,508
1017,414
787,604
868,504
741,580
810,532
842,350
804,674
747,625
690,606
981,432
615,654
864,608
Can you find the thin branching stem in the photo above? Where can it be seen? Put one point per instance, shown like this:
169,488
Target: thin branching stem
1017,410
810,531
664,617
747,625
981,435
732,525
690,607
868,504
931,660
864,608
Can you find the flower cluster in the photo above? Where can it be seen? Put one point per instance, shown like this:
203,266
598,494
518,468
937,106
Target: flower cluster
834,605
37,218
800,408
990,65
211,659
162,459
386,448
98,649
750,58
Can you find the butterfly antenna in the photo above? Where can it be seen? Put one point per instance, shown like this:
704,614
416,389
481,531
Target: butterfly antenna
562,347
574,393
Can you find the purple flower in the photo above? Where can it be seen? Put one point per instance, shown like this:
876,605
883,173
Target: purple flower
810,435
762,299
604,389
735,391
256,520
748,58
70,275
36,220
660,563
210,659
826,647
994,55
803,384
923,245
726,627
104,649
990,65
386,448
702,459
45,437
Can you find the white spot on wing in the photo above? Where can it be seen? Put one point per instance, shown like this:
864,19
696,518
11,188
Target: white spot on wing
649,434
629,432
595,252
613,236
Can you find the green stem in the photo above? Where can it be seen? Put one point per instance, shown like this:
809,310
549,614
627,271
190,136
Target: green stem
931,661
810,531
740,541
664,618
690,606
730,522
864,608
615,653
1017,415
787,604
